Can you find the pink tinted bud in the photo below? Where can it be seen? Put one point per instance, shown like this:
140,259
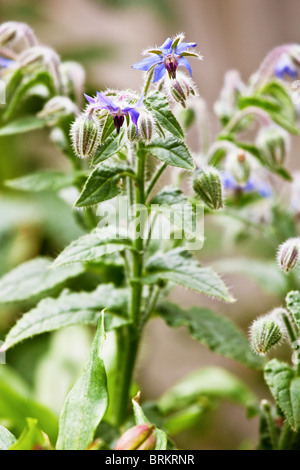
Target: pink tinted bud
140,437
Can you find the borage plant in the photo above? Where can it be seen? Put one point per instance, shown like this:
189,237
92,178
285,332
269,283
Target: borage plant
143,242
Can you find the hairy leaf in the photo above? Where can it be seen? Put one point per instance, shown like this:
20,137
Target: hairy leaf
87,401
102,184
159,106
293,304
180,267
34,278
93,246
285,388
69,309
171,151
43,181
22,125
214,331
110,147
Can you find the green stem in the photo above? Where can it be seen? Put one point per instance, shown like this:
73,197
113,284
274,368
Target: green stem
148,81
155,179
286,437
271,425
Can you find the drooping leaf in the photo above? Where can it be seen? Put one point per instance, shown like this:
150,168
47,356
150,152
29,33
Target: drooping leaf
91,247
285,388
110,147
87,401
172,203
102,184
140,418
22,125
211,382
7,439
69,309
214,331
17,404
171,151
159,106
180,267
43,181
34,278
264,272
31,438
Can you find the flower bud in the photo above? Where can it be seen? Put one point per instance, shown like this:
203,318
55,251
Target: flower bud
13,31
208,186
238,165
273,142
132,134
85,133
288,254
265,332
42,57
181,88
73,78
146,126
56,108
140,437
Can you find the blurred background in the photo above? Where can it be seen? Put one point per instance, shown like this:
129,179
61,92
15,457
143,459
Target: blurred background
106,37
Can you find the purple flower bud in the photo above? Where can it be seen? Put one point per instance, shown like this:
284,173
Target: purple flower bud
140,437
288,254
286,66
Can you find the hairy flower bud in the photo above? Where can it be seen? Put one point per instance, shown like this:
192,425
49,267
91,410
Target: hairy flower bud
181,88
208,186
56,108
42,57
146,126
85,132
288,254
265,332
73,78
238,165
132,134
140,437
13,31
273,142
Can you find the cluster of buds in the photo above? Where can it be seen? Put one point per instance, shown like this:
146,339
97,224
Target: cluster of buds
267,331
274,143
208,186
238,164
140,437
288,254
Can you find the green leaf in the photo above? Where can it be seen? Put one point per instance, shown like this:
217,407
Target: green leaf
211,382
293,304
159,106
16,404
87,401
264,272
186,418
102,184
31,438
43,181
7,439
91,247
171,151
71,309
110,147
140,418
33,279
180,267
172,203
22,125
285,388
214,331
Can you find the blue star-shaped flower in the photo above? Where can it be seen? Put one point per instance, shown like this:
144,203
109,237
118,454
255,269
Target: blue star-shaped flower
253,184
117,111
170,55
286,66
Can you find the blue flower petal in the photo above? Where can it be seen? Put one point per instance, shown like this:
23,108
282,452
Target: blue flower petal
140,101
90,99
4,63
134,114
228,180
147,63
106,102
285,66
183,46
183,62
166,47
159,72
